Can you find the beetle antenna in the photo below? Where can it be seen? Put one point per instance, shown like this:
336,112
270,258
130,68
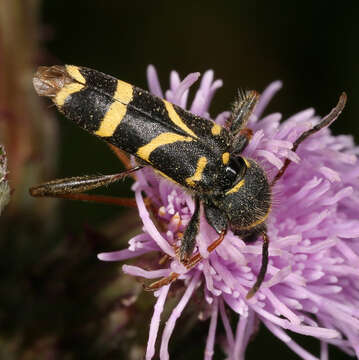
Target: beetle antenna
326,121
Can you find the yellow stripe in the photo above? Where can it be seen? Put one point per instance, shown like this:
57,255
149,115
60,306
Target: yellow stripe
248,164
236,187
124,92
123,95
66,91
74,72
257,222
177,120
197,176
216,129
112,119
145,151
225,158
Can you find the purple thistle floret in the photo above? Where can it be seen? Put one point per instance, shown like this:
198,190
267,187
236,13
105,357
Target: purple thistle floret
312,282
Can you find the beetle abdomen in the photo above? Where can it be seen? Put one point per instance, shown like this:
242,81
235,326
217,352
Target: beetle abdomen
183,147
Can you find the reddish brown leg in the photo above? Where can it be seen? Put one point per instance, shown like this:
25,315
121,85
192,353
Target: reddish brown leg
162,282
73,188
101,199
195,259
121,156
163,259
247,133
192,262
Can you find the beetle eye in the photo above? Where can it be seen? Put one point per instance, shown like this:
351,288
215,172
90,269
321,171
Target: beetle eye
234,171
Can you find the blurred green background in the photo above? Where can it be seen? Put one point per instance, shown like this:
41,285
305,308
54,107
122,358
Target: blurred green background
310,45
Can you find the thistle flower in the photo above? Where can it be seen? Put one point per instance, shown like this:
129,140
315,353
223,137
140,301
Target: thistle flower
312,282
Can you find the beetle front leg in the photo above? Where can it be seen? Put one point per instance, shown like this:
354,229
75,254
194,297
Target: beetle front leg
188,241
215,217
237,124
242,110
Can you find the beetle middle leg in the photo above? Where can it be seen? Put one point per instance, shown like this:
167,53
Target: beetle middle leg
192,262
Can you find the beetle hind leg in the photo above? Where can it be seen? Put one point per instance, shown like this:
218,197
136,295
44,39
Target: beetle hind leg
72,188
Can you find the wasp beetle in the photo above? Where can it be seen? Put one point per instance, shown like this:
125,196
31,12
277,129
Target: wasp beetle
196,153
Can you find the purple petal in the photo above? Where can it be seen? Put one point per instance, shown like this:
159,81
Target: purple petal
153,82
209,351
176,313
226,325
155,322
266,97
239,345
179,95
137,271
305,355
150,226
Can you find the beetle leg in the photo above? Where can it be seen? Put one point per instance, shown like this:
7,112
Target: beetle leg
215,217
162,282
121,155
188,240
71,188
241,141
263,269
195,259
242,110
100,199
192,262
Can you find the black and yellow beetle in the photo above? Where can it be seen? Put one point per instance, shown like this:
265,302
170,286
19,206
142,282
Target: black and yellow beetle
196,153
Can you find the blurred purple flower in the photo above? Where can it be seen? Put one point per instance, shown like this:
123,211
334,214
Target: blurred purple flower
312,283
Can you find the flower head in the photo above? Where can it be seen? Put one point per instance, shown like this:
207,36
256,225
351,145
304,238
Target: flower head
312,281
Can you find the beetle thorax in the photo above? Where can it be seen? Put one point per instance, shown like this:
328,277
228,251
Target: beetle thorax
247,204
